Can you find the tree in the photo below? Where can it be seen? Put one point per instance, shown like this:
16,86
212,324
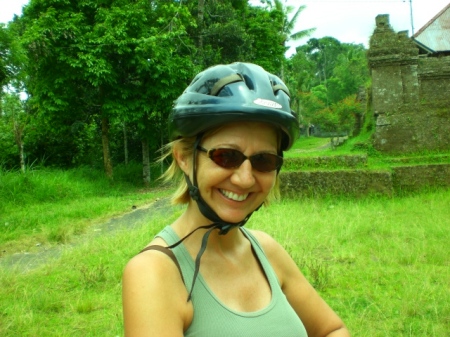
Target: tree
5,42
268,52
287,25
14,120
352,71
92,67
119,60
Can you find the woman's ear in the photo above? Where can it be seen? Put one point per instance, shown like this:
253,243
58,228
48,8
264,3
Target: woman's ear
182,159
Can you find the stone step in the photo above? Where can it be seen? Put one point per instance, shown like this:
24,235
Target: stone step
342,161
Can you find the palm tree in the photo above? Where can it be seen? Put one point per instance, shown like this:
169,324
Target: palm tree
289,25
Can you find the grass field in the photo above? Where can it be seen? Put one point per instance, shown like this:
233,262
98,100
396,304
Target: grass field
382,263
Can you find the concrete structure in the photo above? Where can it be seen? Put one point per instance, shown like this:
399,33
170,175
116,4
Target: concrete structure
410,93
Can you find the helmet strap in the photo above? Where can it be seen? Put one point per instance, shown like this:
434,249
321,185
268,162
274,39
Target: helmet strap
204,208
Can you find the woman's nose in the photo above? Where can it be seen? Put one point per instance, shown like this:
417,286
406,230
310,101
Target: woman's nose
243,175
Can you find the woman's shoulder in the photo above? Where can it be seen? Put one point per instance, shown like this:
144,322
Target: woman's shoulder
153,287
154,259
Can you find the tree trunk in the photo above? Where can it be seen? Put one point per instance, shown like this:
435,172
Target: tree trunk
161,162
22,158
107,163
145,163
125,142
18,135
200,16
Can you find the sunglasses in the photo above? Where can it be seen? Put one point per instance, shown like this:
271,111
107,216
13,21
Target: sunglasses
232,158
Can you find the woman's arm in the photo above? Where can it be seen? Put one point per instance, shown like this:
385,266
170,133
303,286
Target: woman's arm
319,319
154,297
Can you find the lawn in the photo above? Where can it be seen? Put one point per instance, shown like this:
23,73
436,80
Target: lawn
382,264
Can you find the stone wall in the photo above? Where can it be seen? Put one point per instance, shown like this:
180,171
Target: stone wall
360,183
410,94
354,183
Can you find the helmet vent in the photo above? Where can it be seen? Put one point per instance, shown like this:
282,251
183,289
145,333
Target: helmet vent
280,87
224,82
249,82
277,84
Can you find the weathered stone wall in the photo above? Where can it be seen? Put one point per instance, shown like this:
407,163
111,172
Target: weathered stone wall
358,183
418,177
355,183
410,94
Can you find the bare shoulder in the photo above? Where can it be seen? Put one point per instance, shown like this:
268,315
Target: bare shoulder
151,265
154,296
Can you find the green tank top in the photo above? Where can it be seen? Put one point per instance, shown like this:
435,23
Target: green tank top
214,319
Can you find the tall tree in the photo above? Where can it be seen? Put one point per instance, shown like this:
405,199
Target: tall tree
5,42
14,109
288,25
117,60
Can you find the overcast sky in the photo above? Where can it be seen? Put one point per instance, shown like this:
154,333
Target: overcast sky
351,21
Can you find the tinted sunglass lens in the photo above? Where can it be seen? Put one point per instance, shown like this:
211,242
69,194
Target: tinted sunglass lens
266,162
227,158
231,158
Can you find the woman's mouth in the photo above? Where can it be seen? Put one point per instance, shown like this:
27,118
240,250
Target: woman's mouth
234,196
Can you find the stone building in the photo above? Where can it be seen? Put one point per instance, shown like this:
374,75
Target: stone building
410,88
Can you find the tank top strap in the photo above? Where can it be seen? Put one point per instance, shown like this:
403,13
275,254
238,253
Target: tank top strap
263,260
185,261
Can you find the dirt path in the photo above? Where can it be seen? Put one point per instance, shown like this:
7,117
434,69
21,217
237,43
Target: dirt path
27,261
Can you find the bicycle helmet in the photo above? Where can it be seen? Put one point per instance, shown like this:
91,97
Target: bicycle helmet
231,93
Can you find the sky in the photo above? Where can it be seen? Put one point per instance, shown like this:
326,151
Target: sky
349,21
353,21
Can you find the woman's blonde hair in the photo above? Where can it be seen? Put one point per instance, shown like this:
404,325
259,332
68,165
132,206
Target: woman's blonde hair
175,174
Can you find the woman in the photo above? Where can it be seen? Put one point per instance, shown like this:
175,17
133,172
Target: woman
205,275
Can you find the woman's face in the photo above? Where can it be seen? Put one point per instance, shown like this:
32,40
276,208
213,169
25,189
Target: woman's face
235,193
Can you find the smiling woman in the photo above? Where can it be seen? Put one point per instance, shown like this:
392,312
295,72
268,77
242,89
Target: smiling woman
205,274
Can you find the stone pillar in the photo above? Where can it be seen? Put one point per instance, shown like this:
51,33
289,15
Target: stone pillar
393,61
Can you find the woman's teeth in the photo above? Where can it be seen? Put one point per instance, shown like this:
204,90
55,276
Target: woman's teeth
234,196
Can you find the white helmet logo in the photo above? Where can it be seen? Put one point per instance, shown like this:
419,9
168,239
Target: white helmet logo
267,103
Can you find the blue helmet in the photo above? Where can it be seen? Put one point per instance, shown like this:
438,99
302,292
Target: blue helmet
231,93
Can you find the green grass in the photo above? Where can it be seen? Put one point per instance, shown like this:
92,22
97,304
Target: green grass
306,150
307,146
381,263
48,206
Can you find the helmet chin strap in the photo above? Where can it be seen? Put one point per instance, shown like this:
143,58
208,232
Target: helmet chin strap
204,208
217,223
209,213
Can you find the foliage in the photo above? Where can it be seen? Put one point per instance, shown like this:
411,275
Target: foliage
324,77
13,123
94,61
346,110
284,27
268,52
5,42
97,72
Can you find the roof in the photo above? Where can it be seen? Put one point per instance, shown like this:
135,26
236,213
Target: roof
436,33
